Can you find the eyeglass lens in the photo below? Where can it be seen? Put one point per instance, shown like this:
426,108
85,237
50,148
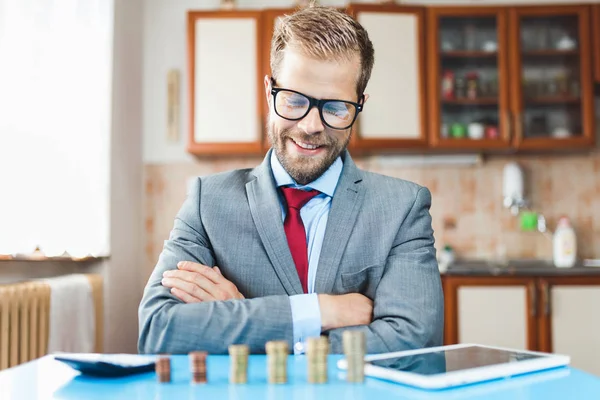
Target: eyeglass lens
337,114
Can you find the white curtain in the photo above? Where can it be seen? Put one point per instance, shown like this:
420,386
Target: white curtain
55,99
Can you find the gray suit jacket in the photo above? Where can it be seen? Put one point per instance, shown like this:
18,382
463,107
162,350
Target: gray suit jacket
378,242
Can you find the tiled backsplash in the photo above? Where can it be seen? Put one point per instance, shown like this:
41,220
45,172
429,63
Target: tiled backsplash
466,208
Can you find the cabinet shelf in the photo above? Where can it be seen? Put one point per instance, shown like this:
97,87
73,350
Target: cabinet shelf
469,54
553,100
482,101
472,144
549,136
550,53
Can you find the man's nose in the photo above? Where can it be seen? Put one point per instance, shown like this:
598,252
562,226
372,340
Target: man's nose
311,123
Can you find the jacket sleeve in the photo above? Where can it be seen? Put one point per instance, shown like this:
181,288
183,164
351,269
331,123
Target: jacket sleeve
168,325
408,310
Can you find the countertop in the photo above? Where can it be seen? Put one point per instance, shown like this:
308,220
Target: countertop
517,268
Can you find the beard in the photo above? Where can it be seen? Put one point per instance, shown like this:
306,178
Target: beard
305,168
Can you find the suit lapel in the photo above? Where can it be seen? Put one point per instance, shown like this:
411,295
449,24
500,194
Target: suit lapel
347,201
266,213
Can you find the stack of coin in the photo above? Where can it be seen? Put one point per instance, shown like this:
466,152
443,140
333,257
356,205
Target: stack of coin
317,349
238,363
198,366
163,369
277,355
354,343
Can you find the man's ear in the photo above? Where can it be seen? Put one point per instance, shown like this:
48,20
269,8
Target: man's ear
267,81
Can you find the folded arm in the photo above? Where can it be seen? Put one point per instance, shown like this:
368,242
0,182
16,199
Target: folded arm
408,306
168,325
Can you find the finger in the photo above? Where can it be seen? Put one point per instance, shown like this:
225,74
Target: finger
218,270
191,266
199,280
185,297
209,287
213,275
188,287
202,269
183,275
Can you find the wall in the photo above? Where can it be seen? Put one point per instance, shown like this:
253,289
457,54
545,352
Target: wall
122,271
468,198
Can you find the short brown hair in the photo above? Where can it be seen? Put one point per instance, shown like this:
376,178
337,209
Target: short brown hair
324,33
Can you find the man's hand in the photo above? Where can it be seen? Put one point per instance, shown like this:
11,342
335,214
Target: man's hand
345,310
194,283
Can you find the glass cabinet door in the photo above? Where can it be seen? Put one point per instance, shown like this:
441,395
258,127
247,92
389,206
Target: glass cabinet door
469,104
552,77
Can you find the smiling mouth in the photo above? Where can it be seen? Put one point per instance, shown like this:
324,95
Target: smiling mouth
306,146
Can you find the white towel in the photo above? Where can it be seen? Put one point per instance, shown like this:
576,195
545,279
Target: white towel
72,315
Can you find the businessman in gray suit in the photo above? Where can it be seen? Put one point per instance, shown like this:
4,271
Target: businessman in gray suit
305,244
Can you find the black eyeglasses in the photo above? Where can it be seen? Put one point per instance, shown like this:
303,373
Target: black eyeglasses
293,106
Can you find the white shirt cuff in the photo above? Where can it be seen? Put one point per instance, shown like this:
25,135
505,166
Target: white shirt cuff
306,319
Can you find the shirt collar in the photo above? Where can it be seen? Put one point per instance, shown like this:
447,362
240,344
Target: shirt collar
326,183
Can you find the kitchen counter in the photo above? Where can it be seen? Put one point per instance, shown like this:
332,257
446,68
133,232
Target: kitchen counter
532,268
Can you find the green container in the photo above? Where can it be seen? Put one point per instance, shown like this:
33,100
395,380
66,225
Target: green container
529,221
458,131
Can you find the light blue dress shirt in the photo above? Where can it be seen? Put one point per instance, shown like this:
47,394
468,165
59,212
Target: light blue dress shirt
306,314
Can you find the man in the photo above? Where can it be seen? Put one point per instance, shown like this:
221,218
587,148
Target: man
306,244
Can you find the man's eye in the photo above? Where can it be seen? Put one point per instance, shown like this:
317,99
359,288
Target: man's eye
295,105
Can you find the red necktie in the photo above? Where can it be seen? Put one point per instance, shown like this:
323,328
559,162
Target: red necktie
294,229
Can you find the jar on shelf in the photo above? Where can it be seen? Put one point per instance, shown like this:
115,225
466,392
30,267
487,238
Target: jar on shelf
562,85
458,130
448,85
476,130
472,85
491,132
444,130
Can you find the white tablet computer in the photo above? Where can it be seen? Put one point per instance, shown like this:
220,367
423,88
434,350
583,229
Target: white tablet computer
455,365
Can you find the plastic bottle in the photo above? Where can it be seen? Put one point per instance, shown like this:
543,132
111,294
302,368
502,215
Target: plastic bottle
446,258
564,244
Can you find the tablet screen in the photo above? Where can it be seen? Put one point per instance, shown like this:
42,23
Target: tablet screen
439,362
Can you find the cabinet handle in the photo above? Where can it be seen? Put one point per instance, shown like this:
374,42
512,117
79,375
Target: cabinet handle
546,298
519,126
507,124
533,304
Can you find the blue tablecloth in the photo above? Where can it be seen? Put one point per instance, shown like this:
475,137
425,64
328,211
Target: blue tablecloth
47,378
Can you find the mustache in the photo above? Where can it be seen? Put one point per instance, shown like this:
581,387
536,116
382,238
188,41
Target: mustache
304,138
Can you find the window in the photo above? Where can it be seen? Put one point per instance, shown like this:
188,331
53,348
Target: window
55,121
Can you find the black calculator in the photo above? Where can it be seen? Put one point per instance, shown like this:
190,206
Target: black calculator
108,365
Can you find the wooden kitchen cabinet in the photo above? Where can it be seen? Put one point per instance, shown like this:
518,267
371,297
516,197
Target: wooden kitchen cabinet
225,53
491,310
510,78
570,323
475,79
395,113
468,78
541,313
552,92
